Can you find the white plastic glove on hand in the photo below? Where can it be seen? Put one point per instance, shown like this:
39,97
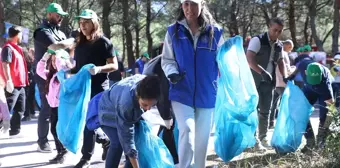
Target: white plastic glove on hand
168,123
9,86
95,70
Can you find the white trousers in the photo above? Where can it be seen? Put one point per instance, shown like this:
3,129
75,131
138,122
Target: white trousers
194,126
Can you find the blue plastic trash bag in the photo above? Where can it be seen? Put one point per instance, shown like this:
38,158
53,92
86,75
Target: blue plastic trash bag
92,119
235,116
236,80
152,152
37,95
75,93
292,120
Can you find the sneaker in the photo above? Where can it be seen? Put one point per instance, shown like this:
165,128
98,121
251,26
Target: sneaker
59,159
321,137
266,144
258,148
44,148
26,118
13,132
82,164
308,148
105,149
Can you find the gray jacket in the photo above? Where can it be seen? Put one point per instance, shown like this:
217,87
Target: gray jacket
119,108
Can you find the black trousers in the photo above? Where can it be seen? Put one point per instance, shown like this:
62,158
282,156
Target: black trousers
91,137
169,141
30,100
54,120
16,102
45,112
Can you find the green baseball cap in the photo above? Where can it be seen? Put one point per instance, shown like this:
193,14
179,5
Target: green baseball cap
87,14
146,55
314,74
56,8
307,48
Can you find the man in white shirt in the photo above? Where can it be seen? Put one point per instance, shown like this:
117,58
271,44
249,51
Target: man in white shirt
264,54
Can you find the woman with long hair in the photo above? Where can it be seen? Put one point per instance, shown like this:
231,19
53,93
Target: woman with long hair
47,69
93,48
189,62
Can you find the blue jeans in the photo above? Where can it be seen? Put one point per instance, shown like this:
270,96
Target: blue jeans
115,151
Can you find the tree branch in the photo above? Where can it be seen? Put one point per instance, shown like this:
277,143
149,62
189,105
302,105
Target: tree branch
327,35
322,5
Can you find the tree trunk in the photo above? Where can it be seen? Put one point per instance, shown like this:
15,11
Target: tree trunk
305,30
2,22
335,34
233,17
65,25
20,13
106,4
292,24
148,24
137,30
124,44
312,15
78,8
128,33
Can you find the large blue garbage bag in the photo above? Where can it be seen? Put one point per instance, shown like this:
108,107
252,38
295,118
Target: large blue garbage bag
292,120
152,151
235,116
75,94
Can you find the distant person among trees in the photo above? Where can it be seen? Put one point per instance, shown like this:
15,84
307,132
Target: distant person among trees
140,62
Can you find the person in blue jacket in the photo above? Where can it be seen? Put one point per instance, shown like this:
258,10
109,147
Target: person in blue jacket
119,109
140,62
317,87
189,62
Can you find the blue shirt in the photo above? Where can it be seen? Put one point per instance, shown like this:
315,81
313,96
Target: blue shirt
119,108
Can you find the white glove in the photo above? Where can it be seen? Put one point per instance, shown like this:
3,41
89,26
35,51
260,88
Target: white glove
168,123
95,70
46,56
9,86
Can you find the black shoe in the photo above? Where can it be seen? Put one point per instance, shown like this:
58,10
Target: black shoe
44,148
82,164
105,149
59,159
13,132
26,118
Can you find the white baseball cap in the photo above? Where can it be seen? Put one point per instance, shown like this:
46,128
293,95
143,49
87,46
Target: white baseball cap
195,1
337,56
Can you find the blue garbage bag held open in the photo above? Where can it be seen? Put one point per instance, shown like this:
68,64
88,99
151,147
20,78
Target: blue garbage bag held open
292,120
75,94
152,151
235,116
